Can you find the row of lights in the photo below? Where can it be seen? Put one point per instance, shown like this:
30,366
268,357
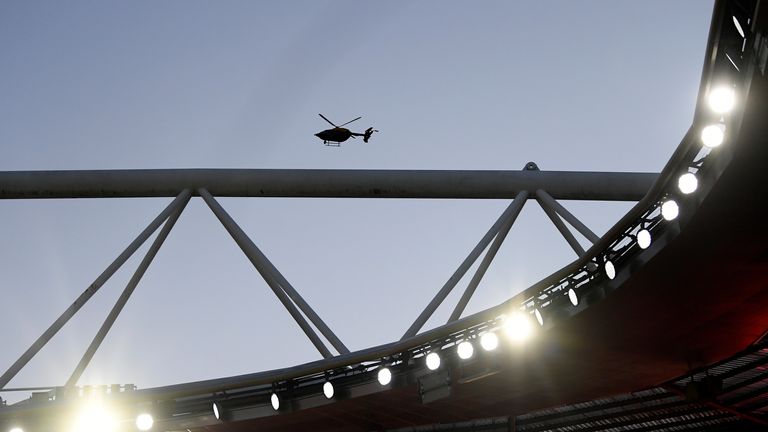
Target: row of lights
721,101
517,326
97,417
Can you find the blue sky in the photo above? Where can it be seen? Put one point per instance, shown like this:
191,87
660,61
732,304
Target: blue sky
593,85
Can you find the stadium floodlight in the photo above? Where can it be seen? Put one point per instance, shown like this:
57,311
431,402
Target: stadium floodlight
275,400
737,24
518,327
670,210
722,99
328,390
573,297
465,350
384,376
95,417
713,135
538,316
644,238
610,270
687,183
144,421
218,411
489,341
433,361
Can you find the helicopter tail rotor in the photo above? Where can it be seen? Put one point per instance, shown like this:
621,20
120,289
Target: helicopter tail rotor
368,133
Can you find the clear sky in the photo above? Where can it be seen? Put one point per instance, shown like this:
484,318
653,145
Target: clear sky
586,86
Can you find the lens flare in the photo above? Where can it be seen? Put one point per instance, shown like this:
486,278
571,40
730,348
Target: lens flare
518,327
144,422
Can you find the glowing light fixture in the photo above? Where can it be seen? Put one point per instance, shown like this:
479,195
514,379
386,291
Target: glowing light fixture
144,422
465,350
518,327
433,361
610,270
16,429
670,210
95,417
643,238
275,400
489,341
384,376
328,390
538,316
713,135
738,27
722,99
217,411
573,297
687,183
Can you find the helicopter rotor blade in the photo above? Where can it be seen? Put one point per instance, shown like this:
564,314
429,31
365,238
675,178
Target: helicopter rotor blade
328,120
351,121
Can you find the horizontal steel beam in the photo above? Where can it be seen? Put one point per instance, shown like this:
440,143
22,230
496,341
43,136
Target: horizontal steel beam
563,185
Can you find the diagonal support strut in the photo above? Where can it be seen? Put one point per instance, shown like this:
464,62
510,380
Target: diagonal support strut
568,216
279,285
459,273
90,291
126,294
518,204
560,225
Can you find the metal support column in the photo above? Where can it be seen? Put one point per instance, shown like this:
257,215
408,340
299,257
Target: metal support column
568,216
560,225
279,285
129,288
518,204
90,291
458,274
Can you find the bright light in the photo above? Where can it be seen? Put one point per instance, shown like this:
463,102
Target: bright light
465,350
384,376
713,135
644,239
433,361
610,270
670,210
518,327
144,422
687,183
573,297
95,417
539,318
16,429
722,99
738,27
216,411
328,389
275,399
489,341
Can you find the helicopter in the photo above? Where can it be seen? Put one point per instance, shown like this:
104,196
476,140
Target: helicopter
340,134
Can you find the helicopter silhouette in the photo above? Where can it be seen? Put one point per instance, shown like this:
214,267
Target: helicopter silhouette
340,134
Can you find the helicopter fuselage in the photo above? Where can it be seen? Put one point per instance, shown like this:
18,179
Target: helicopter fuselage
337,134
